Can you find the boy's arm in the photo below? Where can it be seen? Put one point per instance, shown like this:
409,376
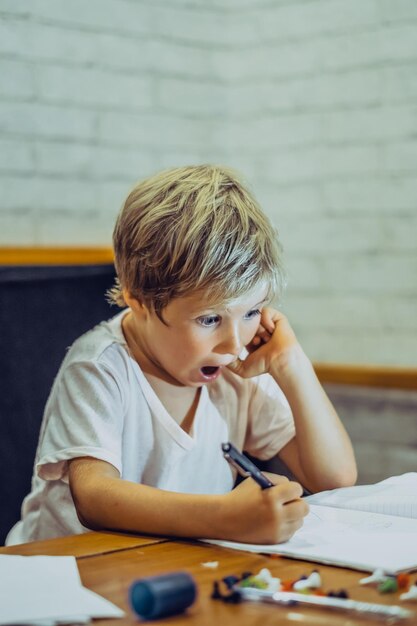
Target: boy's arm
321,454
104,501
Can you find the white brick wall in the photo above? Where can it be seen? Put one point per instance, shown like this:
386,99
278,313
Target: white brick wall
315,101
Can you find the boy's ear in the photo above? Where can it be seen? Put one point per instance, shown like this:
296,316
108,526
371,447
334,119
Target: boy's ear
132,302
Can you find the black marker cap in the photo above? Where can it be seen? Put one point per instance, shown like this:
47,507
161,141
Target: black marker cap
159,596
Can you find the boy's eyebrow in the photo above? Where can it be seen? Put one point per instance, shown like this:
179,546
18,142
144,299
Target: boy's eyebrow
213,309
258,304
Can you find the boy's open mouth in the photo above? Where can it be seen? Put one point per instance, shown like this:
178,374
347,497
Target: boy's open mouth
209,370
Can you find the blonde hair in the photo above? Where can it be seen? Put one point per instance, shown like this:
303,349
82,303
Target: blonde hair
193,229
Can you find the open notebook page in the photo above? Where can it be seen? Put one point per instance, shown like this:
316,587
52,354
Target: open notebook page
356,539
394,496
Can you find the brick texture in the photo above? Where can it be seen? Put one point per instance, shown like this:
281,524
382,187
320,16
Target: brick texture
315,101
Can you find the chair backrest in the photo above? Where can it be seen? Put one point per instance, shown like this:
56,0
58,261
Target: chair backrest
43,309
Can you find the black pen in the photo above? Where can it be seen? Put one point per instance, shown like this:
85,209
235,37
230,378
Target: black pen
244,466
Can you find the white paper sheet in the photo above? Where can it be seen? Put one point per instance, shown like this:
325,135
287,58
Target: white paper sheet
394,496
47,590
355,539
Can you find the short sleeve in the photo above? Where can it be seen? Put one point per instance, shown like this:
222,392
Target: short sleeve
270,422
83,417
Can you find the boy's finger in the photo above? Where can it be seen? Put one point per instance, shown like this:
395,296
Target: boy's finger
295,525
288,529
235,366
295,510
244,368
287,492
276,479
265,336
269,319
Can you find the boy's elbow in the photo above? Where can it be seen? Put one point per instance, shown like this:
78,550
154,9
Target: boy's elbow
344,481
84,495
335,480
88,483
86,517
350,474
343,474
84,507
345,478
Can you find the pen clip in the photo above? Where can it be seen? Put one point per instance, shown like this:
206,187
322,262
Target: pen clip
239,468
244,466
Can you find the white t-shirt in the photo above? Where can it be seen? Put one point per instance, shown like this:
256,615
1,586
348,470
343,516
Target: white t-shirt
102,406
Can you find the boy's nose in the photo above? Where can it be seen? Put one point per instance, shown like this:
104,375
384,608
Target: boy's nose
230,344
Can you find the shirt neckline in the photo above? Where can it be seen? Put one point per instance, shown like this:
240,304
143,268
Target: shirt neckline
186,440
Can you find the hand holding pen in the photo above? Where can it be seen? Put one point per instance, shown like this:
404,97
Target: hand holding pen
262,511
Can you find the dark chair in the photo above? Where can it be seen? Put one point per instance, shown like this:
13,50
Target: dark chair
43,309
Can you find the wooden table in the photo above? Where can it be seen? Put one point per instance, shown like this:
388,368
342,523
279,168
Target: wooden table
110,562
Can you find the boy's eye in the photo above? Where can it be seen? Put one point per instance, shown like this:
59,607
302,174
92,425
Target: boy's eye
251,314
208,320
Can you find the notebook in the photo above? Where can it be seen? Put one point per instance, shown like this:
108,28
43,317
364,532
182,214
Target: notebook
364,527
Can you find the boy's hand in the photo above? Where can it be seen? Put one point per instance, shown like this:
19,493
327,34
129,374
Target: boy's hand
274,339
272,515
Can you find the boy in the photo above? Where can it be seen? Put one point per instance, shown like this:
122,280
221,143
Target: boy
132,431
